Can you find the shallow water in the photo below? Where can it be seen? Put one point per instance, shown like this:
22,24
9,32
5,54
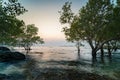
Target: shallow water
53,56
65,58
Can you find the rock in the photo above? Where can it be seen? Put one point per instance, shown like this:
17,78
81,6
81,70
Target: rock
18,56
4,77
11,56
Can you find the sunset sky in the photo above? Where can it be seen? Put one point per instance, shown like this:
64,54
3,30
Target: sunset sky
44,14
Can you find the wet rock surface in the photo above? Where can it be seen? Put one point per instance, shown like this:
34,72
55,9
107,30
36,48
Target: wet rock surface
11,56
4,77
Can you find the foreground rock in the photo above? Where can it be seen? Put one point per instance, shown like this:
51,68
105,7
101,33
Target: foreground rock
4,77
11,56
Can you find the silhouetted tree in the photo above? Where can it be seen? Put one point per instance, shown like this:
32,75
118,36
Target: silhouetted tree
96,23
72,33
29,37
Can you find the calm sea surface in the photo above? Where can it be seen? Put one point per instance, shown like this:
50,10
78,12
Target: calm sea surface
65,57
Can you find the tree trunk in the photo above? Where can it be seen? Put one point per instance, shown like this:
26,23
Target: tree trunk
78,48
94,55
79,52
27,51
102,54
109,52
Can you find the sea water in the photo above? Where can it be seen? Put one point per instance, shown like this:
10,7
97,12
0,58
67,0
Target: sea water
65,57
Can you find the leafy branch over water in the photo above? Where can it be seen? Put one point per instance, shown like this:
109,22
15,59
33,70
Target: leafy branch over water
97,24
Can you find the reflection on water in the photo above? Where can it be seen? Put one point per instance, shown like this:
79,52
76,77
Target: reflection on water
60,53
60,58
66,57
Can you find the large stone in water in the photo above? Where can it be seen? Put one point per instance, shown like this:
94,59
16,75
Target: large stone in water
11,56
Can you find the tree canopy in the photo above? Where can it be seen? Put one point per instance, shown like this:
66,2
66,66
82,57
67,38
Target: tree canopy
10,26
29,37
13,30
97,23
